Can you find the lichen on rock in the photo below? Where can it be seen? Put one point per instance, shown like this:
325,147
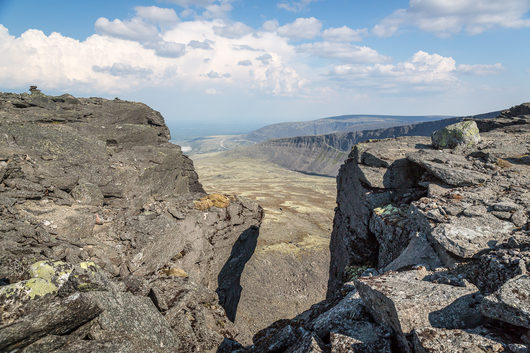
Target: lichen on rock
464,133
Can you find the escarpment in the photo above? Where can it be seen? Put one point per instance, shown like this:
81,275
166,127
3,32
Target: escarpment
430,249
105,244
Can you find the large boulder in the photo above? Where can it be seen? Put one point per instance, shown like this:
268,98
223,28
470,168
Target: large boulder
465,133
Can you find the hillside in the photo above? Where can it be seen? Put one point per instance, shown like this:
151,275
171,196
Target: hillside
336,124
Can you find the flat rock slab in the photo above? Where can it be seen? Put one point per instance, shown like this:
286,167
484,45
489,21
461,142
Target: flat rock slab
448,168
405,302
467,236
437,340
511,303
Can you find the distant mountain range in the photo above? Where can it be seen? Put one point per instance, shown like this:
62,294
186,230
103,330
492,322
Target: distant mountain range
323,154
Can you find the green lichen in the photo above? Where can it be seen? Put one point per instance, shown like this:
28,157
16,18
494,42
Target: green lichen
353,272
88,265
387,210
38,287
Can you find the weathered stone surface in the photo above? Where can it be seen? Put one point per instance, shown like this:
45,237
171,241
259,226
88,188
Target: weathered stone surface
466,237
405,302
445,170
439,340
511,303
464,133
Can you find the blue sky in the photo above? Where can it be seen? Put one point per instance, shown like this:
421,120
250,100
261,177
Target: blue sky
248,62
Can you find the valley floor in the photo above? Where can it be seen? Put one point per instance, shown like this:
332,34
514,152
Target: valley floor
289,270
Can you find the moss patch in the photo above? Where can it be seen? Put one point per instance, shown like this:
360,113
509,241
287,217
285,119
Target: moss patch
212,200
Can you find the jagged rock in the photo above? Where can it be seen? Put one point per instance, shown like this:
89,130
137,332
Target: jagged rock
439,340
405,302
345,344
464,133
418,252
511,303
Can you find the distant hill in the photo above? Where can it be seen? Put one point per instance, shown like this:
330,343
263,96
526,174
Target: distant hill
343,123
335,124
323,154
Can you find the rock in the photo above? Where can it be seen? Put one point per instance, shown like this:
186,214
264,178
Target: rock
405,302
467,236
464,133
448,174
439,340
55,318
511,303
418,252
87,193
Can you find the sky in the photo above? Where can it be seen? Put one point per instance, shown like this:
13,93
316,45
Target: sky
244,63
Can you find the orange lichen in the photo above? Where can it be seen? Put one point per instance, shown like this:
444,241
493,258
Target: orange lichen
212,200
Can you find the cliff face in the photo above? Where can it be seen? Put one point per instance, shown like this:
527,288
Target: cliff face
324,154
102,212
430,249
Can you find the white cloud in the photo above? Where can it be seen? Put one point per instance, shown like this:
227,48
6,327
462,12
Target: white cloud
295,6
106,63
134,29
301,28
232,30
423,70
156,14
212,92
342,51
343,34
480,69
449,17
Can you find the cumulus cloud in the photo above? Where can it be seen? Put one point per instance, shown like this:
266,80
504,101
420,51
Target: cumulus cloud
134,29
343,34
245,63
232,30
295,6
422,71
156,14
342,51
446,18
301,28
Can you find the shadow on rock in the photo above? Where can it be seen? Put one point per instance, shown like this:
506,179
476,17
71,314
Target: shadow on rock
228,280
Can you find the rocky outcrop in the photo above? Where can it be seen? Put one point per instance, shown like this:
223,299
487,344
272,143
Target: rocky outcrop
429,252
105,242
